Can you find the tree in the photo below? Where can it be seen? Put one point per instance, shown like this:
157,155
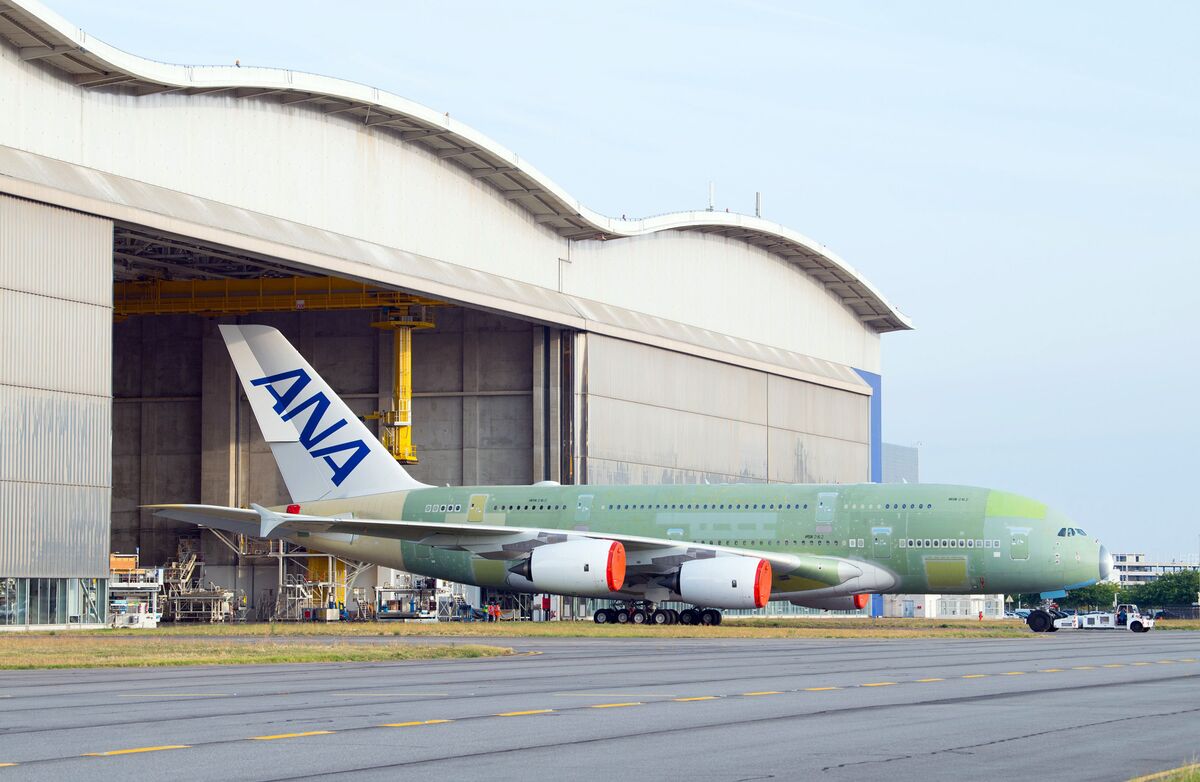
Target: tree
1172,589
1099,596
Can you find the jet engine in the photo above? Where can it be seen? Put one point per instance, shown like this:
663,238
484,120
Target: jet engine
588,568
831,603
726,582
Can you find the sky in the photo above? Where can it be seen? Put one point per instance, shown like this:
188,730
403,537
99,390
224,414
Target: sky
1021,179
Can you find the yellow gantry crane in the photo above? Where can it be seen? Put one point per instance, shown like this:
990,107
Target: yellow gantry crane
403,313
397,422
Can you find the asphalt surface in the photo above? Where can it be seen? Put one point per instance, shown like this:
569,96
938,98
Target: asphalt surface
1065,706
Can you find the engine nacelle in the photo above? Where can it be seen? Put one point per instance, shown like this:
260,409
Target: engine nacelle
726,582
840,603
588,568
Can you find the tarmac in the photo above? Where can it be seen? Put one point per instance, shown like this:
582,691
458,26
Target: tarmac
1062,706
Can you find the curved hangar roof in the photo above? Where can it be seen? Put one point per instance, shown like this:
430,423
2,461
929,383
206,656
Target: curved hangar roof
40,34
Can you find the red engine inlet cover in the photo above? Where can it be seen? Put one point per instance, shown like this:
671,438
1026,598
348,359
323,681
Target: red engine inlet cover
616,566
860,601
762,583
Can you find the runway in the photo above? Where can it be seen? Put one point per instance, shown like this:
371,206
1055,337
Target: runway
1066,706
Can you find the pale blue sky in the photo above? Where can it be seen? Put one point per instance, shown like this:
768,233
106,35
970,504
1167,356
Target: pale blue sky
1022,179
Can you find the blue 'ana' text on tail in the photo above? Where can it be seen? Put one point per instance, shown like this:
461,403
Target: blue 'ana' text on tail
309,437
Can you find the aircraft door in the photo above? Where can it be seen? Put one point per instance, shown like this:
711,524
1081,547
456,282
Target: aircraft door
1018,547
826,504
583,508
881,542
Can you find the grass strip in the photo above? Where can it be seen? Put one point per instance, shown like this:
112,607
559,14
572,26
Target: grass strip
741,627
87,650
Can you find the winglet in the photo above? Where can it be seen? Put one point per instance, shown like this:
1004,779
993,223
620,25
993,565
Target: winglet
268,520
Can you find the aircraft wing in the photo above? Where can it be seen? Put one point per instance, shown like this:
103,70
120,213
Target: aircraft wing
644,555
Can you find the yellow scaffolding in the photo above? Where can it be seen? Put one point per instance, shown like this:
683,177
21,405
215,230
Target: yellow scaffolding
404,312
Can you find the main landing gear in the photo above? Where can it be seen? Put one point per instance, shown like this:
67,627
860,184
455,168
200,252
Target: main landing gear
642,612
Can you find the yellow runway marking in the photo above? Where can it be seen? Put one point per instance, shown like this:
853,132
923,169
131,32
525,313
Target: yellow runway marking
133,751
613,705
820,689
1165,662
524,713
764,692
879,684
412,724
291,735
173,695
1083,668
1169,772
1114,665
931,680
698,698
1051,670
1139,663
1013,673
6,765
1187,660
976,676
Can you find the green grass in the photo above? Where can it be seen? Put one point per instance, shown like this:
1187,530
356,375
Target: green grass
730,628
140,649
1176,624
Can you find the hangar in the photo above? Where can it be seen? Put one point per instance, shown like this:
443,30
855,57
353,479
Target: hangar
496,329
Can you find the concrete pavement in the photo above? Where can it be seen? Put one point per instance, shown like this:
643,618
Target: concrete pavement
1063,706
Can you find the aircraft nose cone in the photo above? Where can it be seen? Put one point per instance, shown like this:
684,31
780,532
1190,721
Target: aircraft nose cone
1106,563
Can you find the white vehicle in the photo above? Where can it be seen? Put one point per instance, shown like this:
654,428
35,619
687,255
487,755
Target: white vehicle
1126,617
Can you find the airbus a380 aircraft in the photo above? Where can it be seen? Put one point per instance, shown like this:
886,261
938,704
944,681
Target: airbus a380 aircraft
720,546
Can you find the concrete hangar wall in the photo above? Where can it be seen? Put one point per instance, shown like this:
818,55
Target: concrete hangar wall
572,347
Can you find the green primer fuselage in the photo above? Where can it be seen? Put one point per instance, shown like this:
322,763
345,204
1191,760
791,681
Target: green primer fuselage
930,538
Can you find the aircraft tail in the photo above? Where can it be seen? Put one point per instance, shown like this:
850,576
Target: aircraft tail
323,450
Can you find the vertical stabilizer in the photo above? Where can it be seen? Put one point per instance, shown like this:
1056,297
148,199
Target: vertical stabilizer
323,450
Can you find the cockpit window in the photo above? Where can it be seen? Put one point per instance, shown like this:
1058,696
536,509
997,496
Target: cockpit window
1062,533
1071,533
1080,532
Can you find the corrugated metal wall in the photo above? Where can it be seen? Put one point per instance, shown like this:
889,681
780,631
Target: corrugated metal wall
655,416
55,391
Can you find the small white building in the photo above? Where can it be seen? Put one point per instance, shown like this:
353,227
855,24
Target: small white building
1131,569
943,606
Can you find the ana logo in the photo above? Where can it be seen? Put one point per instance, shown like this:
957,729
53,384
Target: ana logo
317,405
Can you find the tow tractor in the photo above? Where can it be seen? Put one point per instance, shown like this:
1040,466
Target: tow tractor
1125,617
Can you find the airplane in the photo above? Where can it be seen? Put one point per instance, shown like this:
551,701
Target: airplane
713,547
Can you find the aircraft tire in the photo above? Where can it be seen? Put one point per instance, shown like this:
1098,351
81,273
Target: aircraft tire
601,617
622,617
688,617
660,617
640,616
673,615
710,616
1039,621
